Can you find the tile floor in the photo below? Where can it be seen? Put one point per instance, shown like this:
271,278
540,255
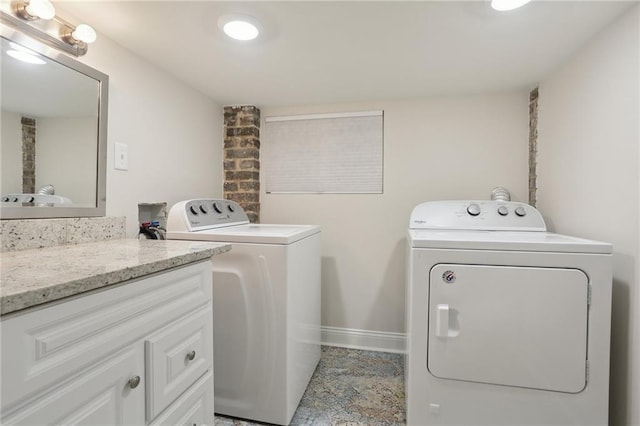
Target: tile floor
349,387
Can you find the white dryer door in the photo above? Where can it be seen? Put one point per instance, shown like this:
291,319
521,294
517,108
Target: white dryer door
506,325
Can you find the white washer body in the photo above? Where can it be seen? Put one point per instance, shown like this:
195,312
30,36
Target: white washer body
507,324
266,304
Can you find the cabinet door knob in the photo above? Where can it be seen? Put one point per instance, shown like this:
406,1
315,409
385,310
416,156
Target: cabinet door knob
191,355
134,382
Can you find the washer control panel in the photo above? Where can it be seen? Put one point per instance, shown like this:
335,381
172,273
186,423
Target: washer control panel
196,215
478,215
44,199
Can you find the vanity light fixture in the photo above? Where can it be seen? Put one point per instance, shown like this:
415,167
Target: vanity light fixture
239,27
35,9
83,33
37,19
504,5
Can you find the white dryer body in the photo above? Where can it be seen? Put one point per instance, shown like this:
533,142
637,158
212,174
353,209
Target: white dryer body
504,326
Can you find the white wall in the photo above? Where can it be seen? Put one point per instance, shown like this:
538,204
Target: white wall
65,160
443,148
589,183
11,154
173,132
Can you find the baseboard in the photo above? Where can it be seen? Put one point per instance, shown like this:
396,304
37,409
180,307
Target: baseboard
380,341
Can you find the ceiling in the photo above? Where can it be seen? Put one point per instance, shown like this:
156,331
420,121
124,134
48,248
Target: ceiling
322,52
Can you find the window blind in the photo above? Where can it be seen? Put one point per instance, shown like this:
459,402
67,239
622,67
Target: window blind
324,153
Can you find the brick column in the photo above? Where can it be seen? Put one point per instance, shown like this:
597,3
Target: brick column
242,158
533,145
28,155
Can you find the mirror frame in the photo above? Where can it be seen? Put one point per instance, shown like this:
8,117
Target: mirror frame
62,211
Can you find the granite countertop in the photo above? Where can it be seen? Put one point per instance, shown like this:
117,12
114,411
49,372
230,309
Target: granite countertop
33,277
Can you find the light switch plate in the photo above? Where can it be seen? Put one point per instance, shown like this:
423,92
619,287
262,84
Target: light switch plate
121,160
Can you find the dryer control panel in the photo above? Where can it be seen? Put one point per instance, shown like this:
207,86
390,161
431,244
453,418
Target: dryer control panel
197,215
485,215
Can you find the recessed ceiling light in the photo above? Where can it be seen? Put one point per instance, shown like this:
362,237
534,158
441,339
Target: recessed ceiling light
239,27
504,5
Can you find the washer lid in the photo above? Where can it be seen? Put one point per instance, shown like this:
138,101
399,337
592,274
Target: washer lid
200,214
504,241
251,233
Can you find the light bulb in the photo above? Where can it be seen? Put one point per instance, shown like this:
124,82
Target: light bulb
84,33
42,9
504,5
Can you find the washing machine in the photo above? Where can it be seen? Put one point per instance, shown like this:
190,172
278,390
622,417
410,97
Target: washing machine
266,307
507,324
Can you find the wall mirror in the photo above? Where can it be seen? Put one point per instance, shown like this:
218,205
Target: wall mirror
53,133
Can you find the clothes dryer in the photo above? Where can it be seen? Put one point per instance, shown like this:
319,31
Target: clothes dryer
507,324
266,307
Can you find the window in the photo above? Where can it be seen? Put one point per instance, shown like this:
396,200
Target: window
324,153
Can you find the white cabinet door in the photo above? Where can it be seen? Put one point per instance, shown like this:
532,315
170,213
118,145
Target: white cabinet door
194,407
100,395
176,356
514,326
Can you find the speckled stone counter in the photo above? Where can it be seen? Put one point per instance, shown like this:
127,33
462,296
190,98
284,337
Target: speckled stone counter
29,234
33,277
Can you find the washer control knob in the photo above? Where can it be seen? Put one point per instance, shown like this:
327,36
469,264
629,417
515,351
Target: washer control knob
203,210
473,209
193,210
217,206
231,208
520,211
503,210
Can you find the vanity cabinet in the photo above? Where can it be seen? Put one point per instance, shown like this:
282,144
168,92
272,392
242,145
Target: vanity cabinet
136,353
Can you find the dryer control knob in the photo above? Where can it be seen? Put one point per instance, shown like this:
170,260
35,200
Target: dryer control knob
473,209
203,210
193,210
231,208
217,207
503,210
520,211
